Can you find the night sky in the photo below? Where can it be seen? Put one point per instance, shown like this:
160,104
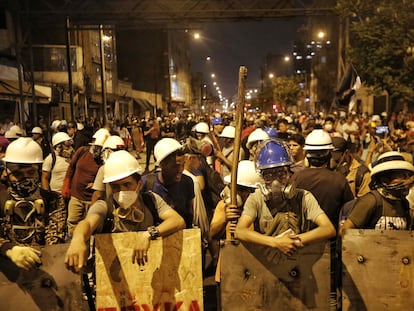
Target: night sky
236,44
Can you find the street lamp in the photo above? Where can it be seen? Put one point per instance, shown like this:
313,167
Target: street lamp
321,34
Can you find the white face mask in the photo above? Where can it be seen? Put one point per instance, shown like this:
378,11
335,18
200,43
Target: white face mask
125,198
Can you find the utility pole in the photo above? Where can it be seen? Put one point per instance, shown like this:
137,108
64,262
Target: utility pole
69,69
103,83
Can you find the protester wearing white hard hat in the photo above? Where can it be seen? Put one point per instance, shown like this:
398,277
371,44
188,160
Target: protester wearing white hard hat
255,138
112,144
225,156
145,213
169,182
37,136
25,205
202,131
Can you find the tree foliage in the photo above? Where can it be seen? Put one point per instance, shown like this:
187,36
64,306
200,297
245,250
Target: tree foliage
286,91
382,43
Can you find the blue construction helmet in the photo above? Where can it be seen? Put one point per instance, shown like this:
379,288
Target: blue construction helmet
271,131
272,153
216,121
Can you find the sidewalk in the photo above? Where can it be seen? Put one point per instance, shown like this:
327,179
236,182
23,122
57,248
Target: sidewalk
142,159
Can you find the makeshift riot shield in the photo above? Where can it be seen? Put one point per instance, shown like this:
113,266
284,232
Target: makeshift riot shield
170,280
378,270
50,287
255,277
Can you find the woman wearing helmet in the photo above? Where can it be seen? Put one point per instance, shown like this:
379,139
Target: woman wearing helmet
392,177
56,164
278,200
133,211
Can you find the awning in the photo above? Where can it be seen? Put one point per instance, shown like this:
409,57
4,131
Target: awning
9,90
143,104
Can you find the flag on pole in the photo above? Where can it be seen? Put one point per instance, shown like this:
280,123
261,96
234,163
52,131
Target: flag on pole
349,85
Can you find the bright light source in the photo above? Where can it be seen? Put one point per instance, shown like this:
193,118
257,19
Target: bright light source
287,58
271,75
208,58
214,83
321,35
106,38
196,36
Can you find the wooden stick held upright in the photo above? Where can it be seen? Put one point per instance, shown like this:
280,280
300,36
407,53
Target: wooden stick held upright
237,137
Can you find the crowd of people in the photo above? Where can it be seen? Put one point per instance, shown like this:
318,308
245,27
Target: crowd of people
65,182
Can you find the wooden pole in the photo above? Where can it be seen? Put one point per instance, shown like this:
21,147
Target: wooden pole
237,137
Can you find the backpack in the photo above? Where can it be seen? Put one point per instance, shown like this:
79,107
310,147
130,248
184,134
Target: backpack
348,207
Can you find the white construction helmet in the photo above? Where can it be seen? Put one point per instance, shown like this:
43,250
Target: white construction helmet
390,161
24,150
11,135
100,136
165,147
16,129
202,127
60,137
114,142
257,135
228,132
247,175
318,140
119,165
37,130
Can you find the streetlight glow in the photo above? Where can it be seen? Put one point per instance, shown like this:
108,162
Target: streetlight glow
287,58
213,75
271,75
321,34
196,36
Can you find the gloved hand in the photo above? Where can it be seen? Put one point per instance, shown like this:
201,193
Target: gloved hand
66,188
24,257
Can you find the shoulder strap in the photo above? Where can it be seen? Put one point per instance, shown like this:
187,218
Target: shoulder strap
149,200
379,208
149,182
53,160
296,203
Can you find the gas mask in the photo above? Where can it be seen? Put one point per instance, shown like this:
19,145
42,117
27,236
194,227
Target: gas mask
26,187
105,154
276,192
97,150
24,220
226,197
